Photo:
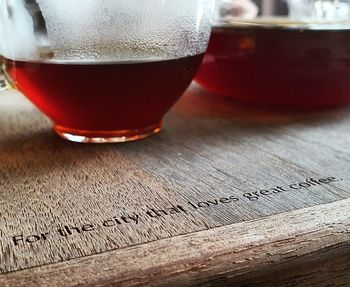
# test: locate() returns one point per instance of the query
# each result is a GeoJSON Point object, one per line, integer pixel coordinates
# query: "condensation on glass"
{"type": "Point", "coordinates": [104, 70]}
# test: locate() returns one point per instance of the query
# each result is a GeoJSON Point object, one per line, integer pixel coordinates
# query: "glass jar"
{"type": "Point", "coordinates": [280, 52]}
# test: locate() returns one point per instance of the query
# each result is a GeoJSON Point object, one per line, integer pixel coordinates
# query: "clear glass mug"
{"type": "Point", "coordinates": [292, 53]}
{"type": "Point", "coordinates": [104, 70]}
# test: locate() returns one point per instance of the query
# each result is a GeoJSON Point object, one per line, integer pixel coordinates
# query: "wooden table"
{"type": "Point", "coordinates": [226, 195]}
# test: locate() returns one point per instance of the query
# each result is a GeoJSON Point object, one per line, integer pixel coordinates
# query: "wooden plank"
{"type": "Point", "coordinates": [226, 253]}
{"type": "Point", "coordinates": [218, 171]}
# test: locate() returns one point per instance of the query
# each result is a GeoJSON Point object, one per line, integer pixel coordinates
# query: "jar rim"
{"type": "Point", "coordinates": [283, 23]}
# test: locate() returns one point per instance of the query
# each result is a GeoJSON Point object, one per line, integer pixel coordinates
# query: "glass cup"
{"type": "Point", "coordinates": [292, 53]}
{"type": "Point", "coordinates": [104, 70]}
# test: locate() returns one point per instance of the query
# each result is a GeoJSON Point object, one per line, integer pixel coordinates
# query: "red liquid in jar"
{"type": "Point", "coordinates": [278, 66]}
{"type": "Point", "coordinates": [104, 96]}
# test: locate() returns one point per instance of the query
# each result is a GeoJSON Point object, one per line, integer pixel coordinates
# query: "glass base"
{"type": "Point", "coordinates": [118, 136]}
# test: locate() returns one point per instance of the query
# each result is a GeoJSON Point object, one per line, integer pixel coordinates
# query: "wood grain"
{"type": "Point", "coordinates": [212, 152]}
{"type": "Point", "coordinates": [231, 254]}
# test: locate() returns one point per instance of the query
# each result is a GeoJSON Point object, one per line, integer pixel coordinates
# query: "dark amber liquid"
{"type": "Point", "coordinates": [281, 66]}
{"type": "Point", "coordinates": [109, 96]}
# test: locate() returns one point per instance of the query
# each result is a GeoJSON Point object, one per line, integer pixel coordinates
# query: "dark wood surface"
{"type": "Point", "coordinates": [272, 186]}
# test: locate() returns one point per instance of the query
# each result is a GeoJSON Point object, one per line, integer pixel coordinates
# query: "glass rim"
{"type": "Point", "coordinates": [283, 23]}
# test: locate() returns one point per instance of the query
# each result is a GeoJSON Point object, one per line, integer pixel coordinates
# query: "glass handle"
{"type": "Point", "coordinates": [3, 81]}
